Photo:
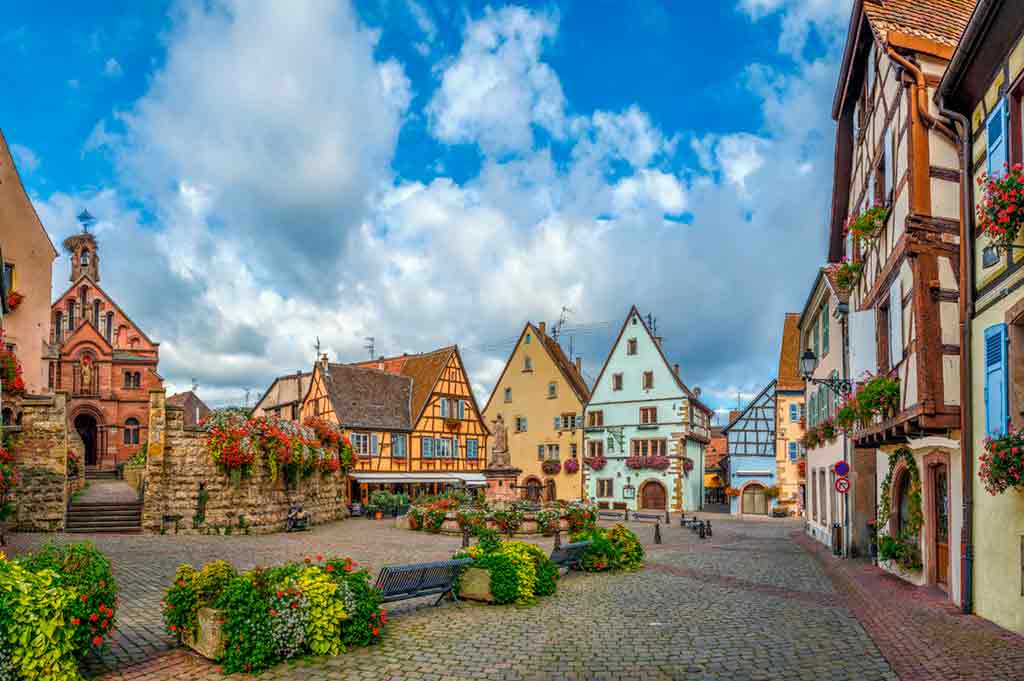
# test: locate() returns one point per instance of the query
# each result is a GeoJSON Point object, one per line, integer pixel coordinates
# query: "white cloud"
{"type": "Point", "coordinates": [27, 160]}
{"type": "Point", "coordinates": [423, 20]}
{"type": "Point", "coordinates": [800, 17]}
{"type": "Point", "coordinates": [112, 68]}
{"type": "Point", "coordinates": [497, 88]}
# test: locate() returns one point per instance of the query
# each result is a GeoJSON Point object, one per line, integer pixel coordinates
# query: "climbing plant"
{"type": "Point", "coordinates": [915, 517]}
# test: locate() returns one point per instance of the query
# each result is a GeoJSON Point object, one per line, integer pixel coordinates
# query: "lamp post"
{"type": "Point", "coordinates": [809, 362]}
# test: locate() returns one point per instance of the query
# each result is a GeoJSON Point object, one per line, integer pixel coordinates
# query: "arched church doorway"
{"type": "Point", "coordinates": [88, 430]}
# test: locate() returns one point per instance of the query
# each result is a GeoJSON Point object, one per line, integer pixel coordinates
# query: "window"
{"type": "Point", "coordinates": [605, 487]}
{"type": "Point", "coordinates": [647, 447]}
{"type": "Point", "coordinates": [824, 330]}
{"type": "Point", "coordinates": [631, 346]}
{"type": "Point", "coordinates": [520, 424]}
{"type": "Point", "coordinates": [8, 276]}
{"type": "Point", "coordinates": [127, 379]}
{"type": "Point", "coordinates": [131, 431]}
{"type": "Point", "coordinates": [471, 449]}
{"type": "Point", "coordinates": [996, 381]}
{"type": "Point", "coordinates": [901, 497]}
{"type": "Point", "coordinates": [814, 495]}
{"type": "Point", "coordinates": [817, 336]}
{"type": "Point", "coordinates": [616, 381]}
{"type": "Point", "coordinates": [565, 421]}
{"type": "Point", "coordinates": [58, 326]}
{"type": "Point", "coordinates": [648, 415]}
{"type": "Point", "coordinates": [96, 312]}
{"type": "Point", "coordinates": [462, 409]}
{"type": "Point", "coordinates": [794, 413]}
{"type": "Point", "coordinates": [803, 411]}
{"type": "Point", "coordinates": [793, 451]}
{"type": "Point", "coordinates": [361, 444]}
{"type": "Point", "coordinates": [508, 394]}
{"type": "Point", "coordinates": [426, 447]}
{"type": "Point", "coordinates": [109, 330]}
{"type": "Point", "coordinates": [553, 453]}
{"type": "Point", "coordinates": [572, 450]}
{"type": "Point", "coordinates": [71, 314]}
{"type": "Point", "coordinates": [552, 390]}
{"type": "Point", "coordinates": [444, 407]}
{"type": "Point", "coordinates": [648, 380]}
{"type": "Point", "coordinates": [527, 339]}
{"type": "Point", "coordinates": [996, 130]}
{"type": "Point", "coordinates": [527, 364]}
{"type": "Point", "coordinates": [85, 257]}
{"type": "Point", "coordinates": [442, 448]}
{"type": "Point", "coordinates": [295, 411]}
{"type": "Point", "coordinates": [398, 442]}
{"type": "Point", "coordinates": [595, 419]}
{"type": "Point", "coordinates": [595, 448]}
{"type": "Point", "coordinates": [540, 452]}
{"type": "Point", "coordinates": [821, 496]}
{"type": "Point", "coordinates": [895, 323]}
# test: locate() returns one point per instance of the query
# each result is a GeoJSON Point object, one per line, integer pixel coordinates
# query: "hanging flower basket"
{"type": "Point", "coordinates": [640, 462]}
{"type": "Point", "coordinates": [847, 274]}
{"type": "Point", "coordinates": [1002, 464]}
{"type": "Point", "coordinates": [596, 463]}
{"type": "Point", "coordinates": [14, 300]}
{"type": "Point", "coordinates": [868, 225]}
{"type": "Point", "coordinates": [879, 396]}
{"type": "Point", "coordinates": [571, 466]}
{"type": "Point", "coordinates": [551, 467]}
{"type": "Point", "coordinates": [1001, 209]}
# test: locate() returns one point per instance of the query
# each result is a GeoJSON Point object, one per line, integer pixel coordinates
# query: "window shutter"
{"type": "Point", "coordinates": [996, 130]}
{"type": "Point", "coordinates": [863, 346]}
{"type": "Point", "coordinates": [824, 330]}
{"type": "Point", "coordinates": [374, 444]}
{"type": "Point", "coordinates": [895, 323]}
{"type": "Point", "coordinates": [455, 447]}
{"type": "Point", "coordinates": [462, 409]}
{"type": "Point", "coordinates": [817, 337]}
{"type": "Point", "coordinates": [540, 452]}
{"type": "Point", "coordinates": [444, 407]}
{"type": "Point", "coordinates": [996, 383]}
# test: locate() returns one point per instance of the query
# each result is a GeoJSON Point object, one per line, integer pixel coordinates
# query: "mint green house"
{"type": "Point", "coordinates": [644, 430]}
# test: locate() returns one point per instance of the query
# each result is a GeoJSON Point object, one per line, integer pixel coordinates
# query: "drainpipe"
{"type": "Point", "coordinates": [966, 315]}
{"type": "Point", "coordinates": [844, 309]}
{"type": "Point", "coordinates": [920, 100]}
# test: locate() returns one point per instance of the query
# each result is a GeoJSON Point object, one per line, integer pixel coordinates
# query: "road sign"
{"type": "Point", "coordinates": [842, 485]}
{"type": "Point", "coordinates": [842, 468]}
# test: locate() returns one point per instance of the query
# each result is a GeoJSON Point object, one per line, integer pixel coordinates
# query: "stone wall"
{"type": "Point", "coordinates": [40, 453]}
{"type": "Point", "coordinates": [178, 468]}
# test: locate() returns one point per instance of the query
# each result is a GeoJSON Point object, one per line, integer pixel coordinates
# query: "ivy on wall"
{"type": "Point", "coordinates": [902, 548]}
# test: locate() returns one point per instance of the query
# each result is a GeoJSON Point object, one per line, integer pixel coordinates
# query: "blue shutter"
{"type": "Point", "coordinates": [792, 451]}
{"type": "Point", "coordinates": [444, 407]}
{"type": "Point", "coordinates": [455, 447]}
{"type": "Point", "coordinates": [996, 383]}
{"type": "Point", "coordinates": [462, 409]}
{"type": "Point", "coordinates": [427, 444]}
{"type": "Point", "coordinates": [558, 422]}
{"type": "Point", "coordinates": [824, 329]}
{"type": "Point", "coordinates": [995, 128]}
{"type": "Point", "coordinates": [374, 445]}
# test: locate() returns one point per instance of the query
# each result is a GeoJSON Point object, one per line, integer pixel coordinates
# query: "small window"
{"type": "Point", "coordinates": [58, 326]}
{"type": "Point", "coordinates": [540, 452]}
{"type": "Point", "coordinates": [572, 450]}
{"type": "Point", "coordinates": [462, 409]}
{"type": "Point", "coordinates": [595, 448]}
{"type": "Point", "coordinates": [527, 364]}
{"type": "Point", "coordinates": [508, 394]}
{"type": "Point", "coordinates": [794, 413]}
{"type": "Point", "coordinates": [648, 381]}
{"type": "Point", "coordinates": [96, 312]}
{"type": "Point", "coordinates": [8, 276]}
{"type": "Point", "coordinates": [426, 446]}
{"type": "Point", "coordinates": [109, 329]}
{"type": "Point", "coordinates": [398, 446]}
{"type": "Point", "coordinates": [616, 381]}
{"type": "Point", "coordinates": [361, 444]}
{"type": "Point", "coordinates": [595, 418]}
{"type": "Point", "coordinates": [552, 389]}
{"type": "Point", "coordinates": [71, 314]}
{"type": "Point", "coordinates": [295, 411]}
{"type": "Point", "coordinates": [471, 449]}
{"type": "Point", "coordinates": [85, 257]}
{"type": "Point", "coordinates": [605, 487]}
{"type": "Point", "coordinates": [444, 407]}
{"type": "Point", "coordinates": [527, 339]}
{"type": "Point", "coordinates": [793, 451]}
{"type": "Point", "coordinates": [648, 415]}
{"type": "Point", "coordinates": [520, 424]}
{"type": "Point", "coordinates": [127, 379]}
{"type": "Point", "coordinates": [131, 431]}
{"type": "Point", "coordinates": [631, 346]}
{"type": "Point", "coordinates": [137, 380]}
{"type": "Point", "coordinates": [553, 453]}
{"type": "Point", "coordinates": [442, 448]}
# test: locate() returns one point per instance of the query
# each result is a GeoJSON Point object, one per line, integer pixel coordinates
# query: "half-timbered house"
{"type": "Point", "coordinates": [423, 437]}
{"type": "Point", "coordinates": [896, 154]}
{"type": "Point", "coordinates": [751, 458]}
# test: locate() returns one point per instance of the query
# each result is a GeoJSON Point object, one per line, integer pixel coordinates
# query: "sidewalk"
{"type": "Point", "coordinates": [921, 634]}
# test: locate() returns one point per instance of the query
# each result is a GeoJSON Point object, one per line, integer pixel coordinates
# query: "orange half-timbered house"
{"type": "Point", "coordinates": [413, 420]}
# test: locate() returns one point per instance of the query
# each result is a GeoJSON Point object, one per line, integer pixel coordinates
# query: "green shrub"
{"type": "Point", "coordinates": [366, 619]}
{"type": "Point", "coordinates": [602, 554]}
{"type": "Point", "coordinates": [248, 643]}
{"type": "Point", "coordinates": [629, 551]}
{"type": "Point", "coordinates": [212, 580]}
{"type": "Point", "coordinates": [181, 602]}
{"type": "Point", "coordinates": [519, 572]}
{"type": "Point", "coordinates": [504, 577]}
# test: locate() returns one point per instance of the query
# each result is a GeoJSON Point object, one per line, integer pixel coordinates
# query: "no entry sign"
{"type": "Point", "coordinates": [842, 468]}
{"type": "Point", "coordinates": [842, 485]}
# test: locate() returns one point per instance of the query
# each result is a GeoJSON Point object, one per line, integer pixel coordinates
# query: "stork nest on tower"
{"type": "Point", "coordinates": [76, 241]}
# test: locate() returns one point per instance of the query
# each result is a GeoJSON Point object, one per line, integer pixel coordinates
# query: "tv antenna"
{"type": "Point", "coordinates": [247, 391]}
{"type": "Point", "coordinates": [652, 322]}
{"type": "Point", "coordinates": [369, 345]}
{"type": "Point", "coordinates": [562, 317]}
{"type": "Point", "coordinates": [195, 384]}
{"type": "Point", "coordinates": [317, 348]}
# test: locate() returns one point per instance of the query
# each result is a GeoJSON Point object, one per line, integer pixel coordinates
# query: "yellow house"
{"type": "Point", "coordinates": [789, 408]}
{"type": "Point", "coordinates": [540, 396]}
{"type": "Point", "coordinates": [983, 94]}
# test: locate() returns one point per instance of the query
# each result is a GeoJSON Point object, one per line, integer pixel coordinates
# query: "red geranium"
{"type": "Point", "coordinates": [1001, 208]}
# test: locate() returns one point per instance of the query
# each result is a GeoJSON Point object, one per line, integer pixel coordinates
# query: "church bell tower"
{"type": "Point", "coordinates": [85, 259]}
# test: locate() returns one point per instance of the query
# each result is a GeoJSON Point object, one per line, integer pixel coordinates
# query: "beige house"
{"type": "Point", "coordinates": [789, 409]}
{"type": "Point", "coordinates": [540, 395]}
{"type": "Point", "coordinates": [283, 399]}
{"type": "Point", "coordinates": [28, 256]}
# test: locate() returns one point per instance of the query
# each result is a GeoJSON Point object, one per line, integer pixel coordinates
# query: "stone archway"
{"type": "Point", "coordinates": [653, 496]}
{"type": "Point", "coordinates": [88, 430]}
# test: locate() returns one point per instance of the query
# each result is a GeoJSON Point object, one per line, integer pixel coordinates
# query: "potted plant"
{"type": "Point", "coordinates": [847, 273]}
{"type": "Point", "coordinates": [571, 466]}
{"type": "Point", "coordinates": [1001, 208]}
{"type": "Point", "coordinates": [373, 511]}
{"type": "Point", "coordinates": [866, 226]}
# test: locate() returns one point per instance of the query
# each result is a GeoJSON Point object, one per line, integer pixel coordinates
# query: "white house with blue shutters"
{"type": "Point", "coordinates": [646, 426]}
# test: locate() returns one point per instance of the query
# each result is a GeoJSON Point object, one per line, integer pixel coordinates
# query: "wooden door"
{"type": "Point", "coordinates": [941, 496]}
{"type": "Point", "coordinates": [754, 500]}
{"type": "Point", "coordinates": [652, 495]}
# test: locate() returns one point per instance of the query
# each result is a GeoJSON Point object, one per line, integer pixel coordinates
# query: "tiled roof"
{"type": "Point", "coordinates": [940, 20]}
{"type": "Point", "coordinates": [830, 273]}
{"type": "Point", "coordinates": [424, 370]}
{"type": "Point", "coordinates": [567, 368]}
{"type": "Point", "coordinates": [789, 356]}
{"type": "Point", "coordinates": [195, 409]}
{"type": "Point", "coordinates": [368, 398]}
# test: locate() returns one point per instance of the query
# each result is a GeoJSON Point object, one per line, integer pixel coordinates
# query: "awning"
{"type": "Point", "coordinates": [468, 479]}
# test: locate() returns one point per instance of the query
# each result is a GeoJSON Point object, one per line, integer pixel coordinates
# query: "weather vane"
{"type": "Point", "coordinates": [87, 220]}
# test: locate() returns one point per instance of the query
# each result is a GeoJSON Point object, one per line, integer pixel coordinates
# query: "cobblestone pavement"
{"type": "Point", "coordinates": [749, 603]}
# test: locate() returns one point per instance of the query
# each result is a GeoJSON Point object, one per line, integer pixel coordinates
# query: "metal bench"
{"type": "Point", "coordinates": [570, 556]}
{"type": "Point", "coordinates": [611, 515]}
{"type": "Point", "coordinates": [657, 517]}
{"type": "Point", "coordinates": [401, 582]}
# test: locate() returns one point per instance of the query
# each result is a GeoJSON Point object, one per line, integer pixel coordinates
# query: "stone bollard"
{"type": "Point", "coordinates": [668, 518]}
{"type": "Point", "coordinates": [465, 537]}
{"type": "Point", "coordinates": [657, 533]}
{"type": "Point", "coordinates": [558, 539]}
{"type": "Point", "coordinates": [708, 530]}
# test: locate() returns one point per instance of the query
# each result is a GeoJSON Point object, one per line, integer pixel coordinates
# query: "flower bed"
{"type": "Point", "coordinates": [451, 513]}
{"type": "Point", "coordinates": [1001, 208]}
{"type": "Point", "coordinates": [509, 571]}
{"type": "Point", "coordinates": [611, 550]}
{"type": "Point", "coordinates": [659, 463]}
{"type": "Point", "coordinates": [56, 605]}
{"type": "Point", "coordinates": [251, 621]}
{"type": "Point", "coordinates": [8, 478]}
{"type": "Point", "coordinates": [1002, 464]}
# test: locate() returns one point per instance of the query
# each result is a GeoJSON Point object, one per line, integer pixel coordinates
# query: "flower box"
{"type": "Point", "coordinates": [475, 585]}
{"type": "Point", "coordinates": [207, 639]}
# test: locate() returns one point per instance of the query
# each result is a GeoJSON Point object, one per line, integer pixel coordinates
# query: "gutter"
{"type": "Point", "coordinates": [966, 314]}
{"type": "Point", "coordinates": [920, 101]}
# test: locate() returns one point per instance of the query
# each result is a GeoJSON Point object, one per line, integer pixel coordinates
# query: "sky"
{"type": "Point", "coordinates": [423, 172]}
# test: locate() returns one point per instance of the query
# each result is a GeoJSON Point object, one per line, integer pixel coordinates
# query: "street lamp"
{"type": "Point", "coordinates": [809, 362]}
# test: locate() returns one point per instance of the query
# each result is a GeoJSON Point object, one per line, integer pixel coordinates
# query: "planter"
{"type": "Point", "coordinates": [207, 639]}
{"type": "Point", "coordinates": [378, 515]}
{"type": "Point", "coordinates": [133, 476]}
{"type": "Point", "coordinates": [475, 585]}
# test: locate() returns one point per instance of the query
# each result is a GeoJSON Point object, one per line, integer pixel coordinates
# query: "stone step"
{"type": "Point", "coordinates": [105, 529]}
{"type": "Point", "coordinates": [99, 517]}
{"type": "Point", "coordinates": [104, 505]}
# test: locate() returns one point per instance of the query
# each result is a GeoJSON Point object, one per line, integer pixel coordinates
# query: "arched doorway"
{"type": "Point", "coordinates": [533, 490]}
{"type": "Point", "coordinates": [88, 430]}
{"type": "Point", "coordinates": [653, 495]}
{"type": "Point", "coordinates": [754, 501]}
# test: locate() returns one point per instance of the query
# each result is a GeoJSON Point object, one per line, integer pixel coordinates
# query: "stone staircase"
{"type": "Point", "coordinates": [123, 517]}
{"type": "Point", "coordinates": [94, 473]}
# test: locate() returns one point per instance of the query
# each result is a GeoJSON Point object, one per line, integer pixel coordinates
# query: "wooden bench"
{"type": "Point", "coordinates": [657, 517]}
{"type": "Point", "coordinates": [401, 582]}
{"type": "Point", "coordinates": [611, 515]}
{"type": "Point", "coordinates": [570, 556]}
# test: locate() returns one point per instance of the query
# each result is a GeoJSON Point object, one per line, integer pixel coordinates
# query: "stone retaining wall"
{"type": "Point", "coordinates": [40, 454]}
{"type": "Point", "coordinates": [178, 468]}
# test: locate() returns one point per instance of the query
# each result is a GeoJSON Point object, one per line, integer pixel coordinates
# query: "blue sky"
{"type": "Point", "coordinates": [434, 172]}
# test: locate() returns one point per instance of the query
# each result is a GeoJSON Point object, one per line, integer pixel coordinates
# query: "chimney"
{"type": "Point", "coordinates": [579, 365]}
{"type": "Point", "coordinates": [323, 361]}
{"type": "Point", "coordinates": [542, 326]}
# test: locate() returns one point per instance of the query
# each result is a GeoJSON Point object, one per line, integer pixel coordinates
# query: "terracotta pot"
{"type": "Point", "coordinates": [378, 515]}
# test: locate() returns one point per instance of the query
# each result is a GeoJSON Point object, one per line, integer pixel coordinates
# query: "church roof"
{"type": "Point", "coordinates": [109, 299]}
{"type": "Point", "coordinates": [369, 398]}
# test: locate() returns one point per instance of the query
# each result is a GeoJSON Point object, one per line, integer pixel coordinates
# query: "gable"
{"type": "Point", "coordinates": [752, 431]}
{"type": "Point", "coordinates": [648, 357]}
{"type": "Point", "coordinates": [549, 364]}
{"type": "Point", "coordinates": [86, 335]}
{"type": "Point", "coordinates": [285, 390]}
{"type": "Point", "coordinates": [120, 320]}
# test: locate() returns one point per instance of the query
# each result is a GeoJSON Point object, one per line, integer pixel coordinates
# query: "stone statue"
{"type": "Point", "coordinates": [86, 375]}
{"type": "Point", "coordinates": [499, 452]}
